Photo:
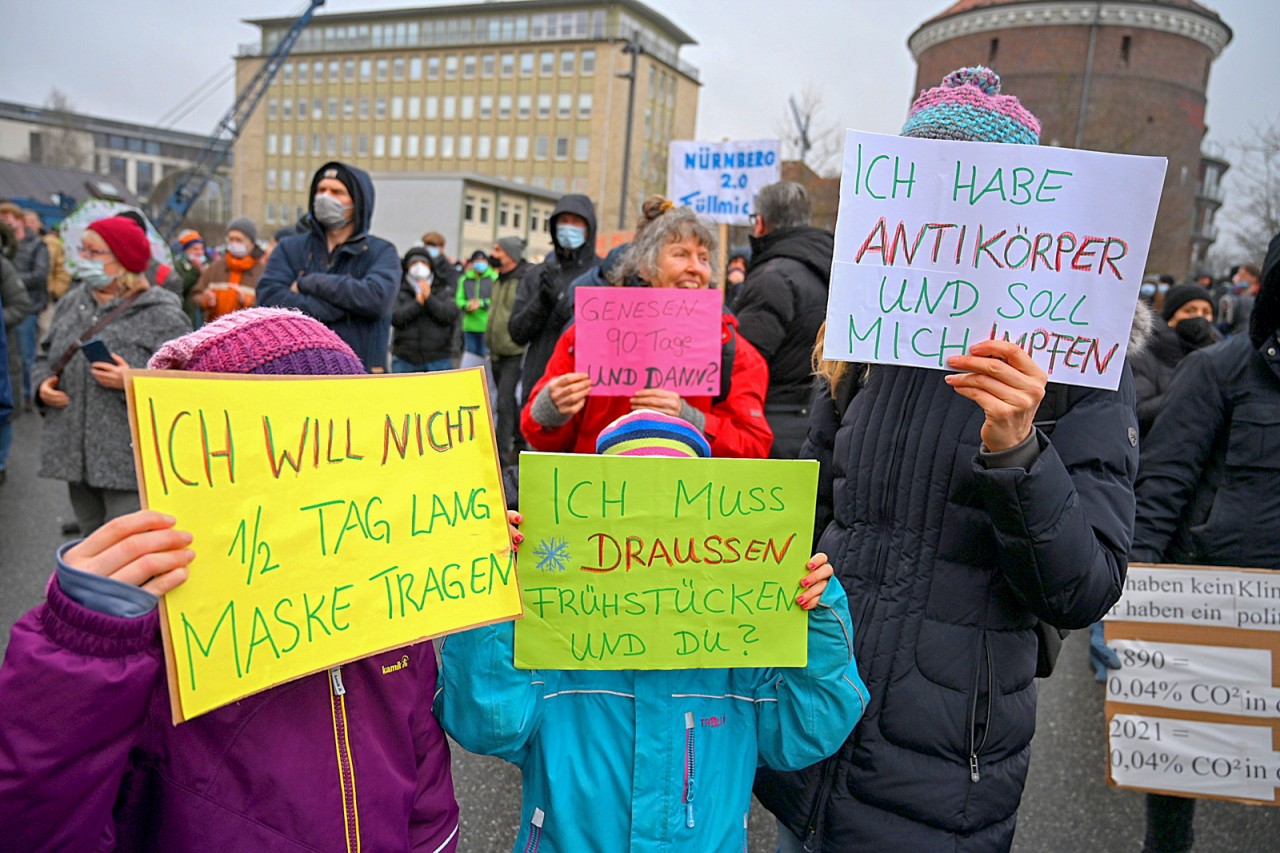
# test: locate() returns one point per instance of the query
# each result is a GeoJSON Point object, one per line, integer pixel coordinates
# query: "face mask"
{"type": "Point", "coordinates": [330, 212]}
{"type": "Point", "coordinates": [571, 236]}
{"type": "Point", "coordinates": [419, 271]}
{"type": "Point", "coordinates": [93, 274]}
{"type": "Point", "coordinates": [481, 267]}
{"type": "Point", "coordinates": [1147, 291]}
{"type": "Point", "coordinates": [433, 252]}
{"type": "Point", "coordinates": [1195, 331]}
{"type": "Point", "coordinates": [238, 249]}
{"type": "Point", "coordinates": [1164, 288]}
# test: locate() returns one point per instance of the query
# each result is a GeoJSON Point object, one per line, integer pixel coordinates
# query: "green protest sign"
{"type": "Point", "coordinates": [636, 562]}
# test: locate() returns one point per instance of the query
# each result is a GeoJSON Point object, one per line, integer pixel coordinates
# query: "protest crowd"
{"type": "Point", "coordinates": [958, 513]}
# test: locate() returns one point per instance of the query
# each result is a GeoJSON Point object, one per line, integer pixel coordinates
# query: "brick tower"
{"type": "Point", "coordinates": [1127, 76]}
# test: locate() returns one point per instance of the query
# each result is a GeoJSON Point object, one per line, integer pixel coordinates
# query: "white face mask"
{"type": "Point", "coordinates": [419, 271]}
{"type": "Point", "coordinates": [238, 249]}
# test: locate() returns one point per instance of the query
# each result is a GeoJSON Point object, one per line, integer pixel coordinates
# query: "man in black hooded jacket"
{"type": "Point", "coordinates": [781, 304]}
{"type": "Point", "coordinates": [544, 305]}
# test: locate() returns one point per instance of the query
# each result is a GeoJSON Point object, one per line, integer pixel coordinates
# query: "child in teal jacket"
{"type": "Point", "coordinates": [648, 760]}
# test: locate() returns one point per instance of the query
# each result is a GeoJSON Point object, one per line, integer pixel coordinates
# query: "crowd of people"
{"type": "Point", "coordinates": [958, 511]}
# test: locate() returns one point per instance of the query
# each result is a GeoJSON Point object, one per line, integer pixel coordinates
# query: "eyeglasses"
{"type": "Point", "coordinates": [86, 252]}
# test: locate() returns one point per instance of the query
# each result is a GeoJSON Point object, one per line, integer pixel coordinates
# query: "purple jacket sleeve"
{"type": "Point", "coordinates": [74, 691]}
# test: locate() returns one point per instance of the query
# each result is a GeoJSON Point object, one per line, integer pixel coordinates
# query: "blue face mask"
{"type": "Point", "coordinates": [433, 252]}
{"type": "Point", "coordinates": [1147, 291]}
{"type": "Point", "coordinates": [481, 267]}
{"type": "Point", "coordinates": [571, 236]}
{"type": "Point", "coordinates": [93, 274]}
{"type": "Point", "coordinates": [1164, 288]}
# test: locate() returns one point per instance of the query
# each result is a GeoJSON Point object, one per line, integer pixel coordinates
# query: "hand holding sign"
{"type": "Point", "coordinates": [1006, 383]}
{"type": "Point", "coordinates": [658, 400]}
{"type": "Point", "coordinates": [141, 548]}
{"type": "Point", "coordinates": [569, 392]}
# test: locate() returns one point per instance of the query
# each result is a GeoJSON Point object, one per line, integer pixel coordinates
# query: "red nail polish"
{"type": "Point", "coordinates": [804, 581]}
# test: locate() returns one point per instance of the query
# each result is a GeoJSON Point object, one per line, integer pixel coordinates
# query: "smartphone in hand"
{"type": "Point", "coordinates": [95, 350]}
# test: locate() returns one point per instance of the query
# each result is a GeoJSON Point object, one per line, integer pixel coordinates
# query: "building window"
{"type": "Point", "coordinates": [581, 148]}
{"type": "Point", "coordinates": [331, 145]}
{"type": "Point", "coordinates": [450, 106]}
{"type": "Point", "coordinates": [522, 148]}
{"type": "Point", "coordinates": [348, 108]}
{"type": "Point", "coordinates": [524, 106]}
{"type": "Point", "coordinates": [544, 106]}
{"type": "Point", "coordinates": [302, 72]}
{"type": "Point", "coordinates": [286, 180]}
{"type": "Point", "coordinates": [588, 63]}
{"type": "Point", "coordinates": [502, 148]}
{"type": "Point", "coordinates": [433, 106]}
{"type": "Point", "coordinates": [397, 69]}
{"type": "Point", "coordinates": [464, 146]}
{"type": "Point", "coordinates": [411, 146]}
{"type": "Point", "coordinates": [380, 108]}
{"type": "Point", "coordinates": [562, 148]}
{"type": "Point", "coordinates": [286, 144]}
{"type": "Point", "coordinates": [486, 106]}
{"type": "Point", "coordinates": [1126, 44]}
{"type": "Point", "coordinates": [515, 218]}
{"type": "Point", "coordinates": [415, 68]}
{"type": "Point", "coordinates": [317, 109]}
{"type": "Point", "coordinates": [415, 108]}
{"type": "Point", "coordinates": [333, 108]}
{"type": "Point", "coordinates": [993, 51]}
{"type": "Point", "coordinates": [315, 144]}
{"type": "Point", "coordinates": [557, 185]}
{"type": "Point", "coordinates": [346, 145]}
{"type": "Point", "coordinates": [566, 63]}
{"type": "Point", "coordinates": [286, 108]}
{"type": "Point", "coordinates": [429, 145]}
{"type": "Point", "coordinates": [362, 145]}
{"type": "Point", "coordinates": [504, 106]}
{"type": "Point", "coordinates": [484, 211]}
{"type": "Point", "coordinates": [382, 69]}
{"type": "Point", "coordinates": [395, 145]}
{"type": "Point", "coordinates": [379, 145]}
{"type": "Point", "coordinates": [364, 108]}
{"type": "Point", "coordinates": [366, 69]}
{"type": "Point", "coordinates": [508, 64]}
{"type": "Point", "coordinates": [317, 72]}
{"type": "Point", "coordinates": [526, 64]}
{"type": "Point", "coordinates": [397, 107]}
{"type": "Point", "coordinates": [271, 212]}
{"type": "Point", "coordinates": [468, 66]}
{"type": "Point", "coordinates": [584, 105]}
{"type": "Point", "coordinates": [546, 63]}
{"type": "Point", "coordinates": [450, 67]}
{"type": "Point", "coordinates": [540, 148]}
{"type": "Point", "coordinates": [349, 70]}
{"type": "Point", "coordinates": [564, 105]}
{"type": "Point", "coordinates": [483, 149]}
{"type": "Point", "coordinates": [446, 146]}
{"type": "Point", "coordinates": [467, 107]}
{"type": "Point", "coordinates": [286, 73]}
{"type": "Point", "coordinates": [486, 65]}
{"type": "Point", "coordinates": [533, 220]}
{"type": "Point", "coordinates": [504, 214]}
{"type": "Point", "coordinates": [333, 71]}
{"type": "Point", "coordinates": [469, 209]}
{"type": "Point", "coordinates": [272, 105]}
{"type": "Point", "coordinates": [433, 68]}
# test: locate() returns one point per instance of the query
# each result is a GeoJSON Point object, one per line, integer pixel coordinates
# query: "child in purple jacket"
{"type": "Point", "coordinates": [89, 759]}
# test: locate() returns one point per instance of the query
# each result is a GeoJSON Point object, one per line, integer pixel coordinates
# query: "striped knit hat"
{"type": "Point", "coordinates": [648, 433]}
{"type": "Point", "coordinates": [968, 106]}
{"type": "Point", "coordinates": [274, 341]}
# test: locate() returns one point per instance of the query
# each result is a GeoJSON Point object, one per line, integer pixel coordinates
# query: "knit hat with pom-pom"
{"type": "Point", "coordinates": [263, 341]}
{"type": "Point", "coordinates": [968, 106]}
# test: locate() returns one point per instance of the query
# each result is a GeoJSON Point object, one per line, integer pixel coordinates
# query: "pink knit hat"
{"type": "Point", "coordinates": [968, 106]}
{"type": "Point", "coordinates": [274, 341]}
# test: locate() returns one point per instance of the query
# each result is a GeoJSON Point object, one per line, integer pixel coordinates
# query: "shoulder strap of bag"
{"type": "Point", "coordinates": [106, 320]}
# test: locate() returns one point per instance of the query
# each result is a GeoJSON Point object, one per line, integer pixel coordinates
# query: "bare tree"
{"type": "Point", "coordinates": [1254, 201]}
{"type": "Point", "coordinates": [61, 143]}
{"type": "Point", "coordinates": [809, 136]}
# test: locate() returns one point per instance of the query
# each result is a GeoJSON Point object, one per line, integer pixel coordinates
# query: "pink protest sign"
{"type": "Point", "coordinates": [630, 338]}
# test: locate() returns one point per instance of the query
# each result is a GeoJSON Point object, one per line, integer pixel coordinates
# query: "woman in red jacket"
{"type": "Point", "coordinates": [673, 248]}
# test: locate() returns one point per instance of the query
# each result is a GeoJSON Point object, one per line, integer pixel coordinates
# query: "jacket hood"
{"type": "Point", "coordinates": [358, 183]}
{"type": "Point", "coordinates": [1266, 308]}
{"type": "Point", "coordinates": [811, 246]}
{"type": "Point", "coordinates": [579, 205]}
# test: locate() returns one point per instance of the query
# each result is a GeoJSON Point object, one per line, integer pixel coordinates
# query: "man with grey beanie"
{"type": "Point", "coordinates": [504, 353]}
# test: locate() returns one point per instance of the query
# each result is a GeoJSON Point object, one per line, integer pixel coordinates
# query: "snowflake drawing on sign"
{"type": "Point", "coordinates": [552, 554]}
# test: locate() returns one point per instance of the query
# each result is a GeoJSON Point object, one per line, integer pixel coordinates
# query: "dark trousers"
{"type": "Point", "coordinates": [506, 375]}
{"type": "Point", "coordinates": [1169, 824]}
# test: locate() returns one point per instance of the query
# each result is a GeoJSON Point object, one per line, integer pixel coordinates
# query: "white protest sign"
{"type": "Point", "coordinates": [940, 244]}
{"type": "Point", "coordinates": [1191, 596]}
{"type": "Point", "coordinates": [1212, 759]}
{"type": "Point", "coordinates": [1217, 679]}
{"type": "Point", "coordinates": [719, 180]}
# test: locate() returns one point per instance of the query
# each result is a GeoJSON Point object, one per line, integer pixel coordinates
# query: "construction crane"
{"type": "Point", "coordinates": [224, 136]}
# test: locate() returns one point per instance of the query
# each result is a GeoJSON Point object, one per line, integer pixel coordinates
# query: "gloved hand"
{"type": "Point", "coordinates": [1100, 654]}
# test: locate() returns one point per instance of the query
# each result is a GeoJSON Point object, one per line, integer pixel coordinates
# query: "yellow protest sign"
{"type": "Point", "coordinates": [333, 518]}
{"type": "Point", "coordinates": [646, 562]}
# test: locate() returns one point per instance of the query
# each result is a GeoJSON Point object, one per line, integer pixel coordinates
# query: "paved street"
{"type": "Point", "coordinates": [1067, 805]}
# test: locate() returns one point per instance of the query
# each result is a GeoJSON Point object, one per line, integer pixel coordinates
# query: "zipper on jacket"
{"type": "Point", "coordinates": [346, 772]}
{"type": "Point", "coordinates": [812, 836]}
{"type": "Point", "coordinates": [535, 830]}
{"type": "Point", "coordinates": [689, 768]}
{"type": "Point", "coordinates": [975, 749]}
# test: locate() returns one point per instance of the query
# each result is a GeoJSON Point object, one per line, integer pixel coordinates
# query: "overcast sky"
{"type": "Point", "coordinates": [137, 60]}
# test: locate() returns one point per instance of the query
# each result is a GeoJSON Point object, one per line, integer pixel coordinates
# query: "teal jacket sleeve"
{"type": "Point", "coordinates": [805, 713]}
{"type": "Point", "coordinates": [485, 703]}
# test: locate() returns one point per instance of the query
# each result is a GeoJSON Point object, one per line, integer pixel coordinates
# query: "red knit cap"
{"type": "Point", "coordinates": [126, 241]}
